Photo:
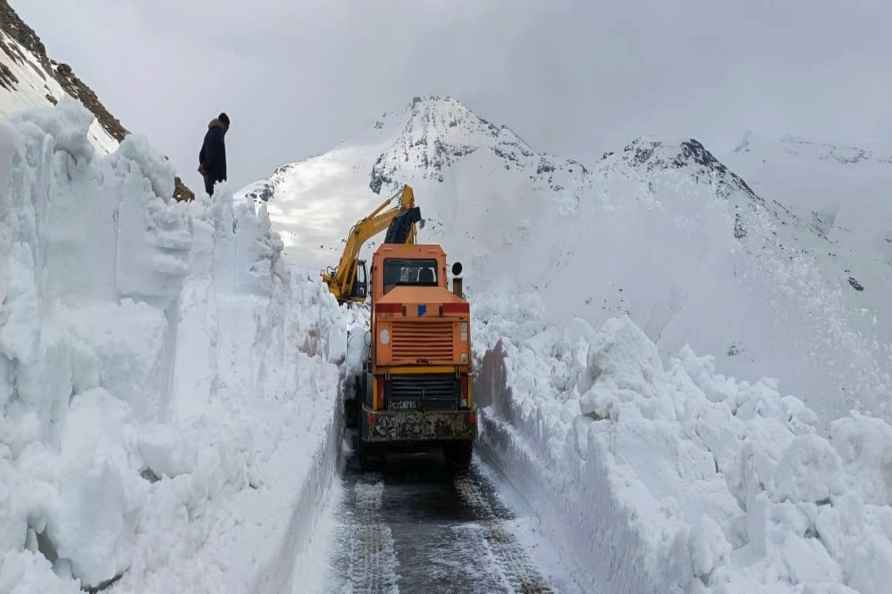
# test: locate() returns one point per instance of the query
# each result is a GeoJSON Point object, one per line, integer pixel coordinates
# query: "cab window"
{"type": "Point", "coordinates": [415, 273]}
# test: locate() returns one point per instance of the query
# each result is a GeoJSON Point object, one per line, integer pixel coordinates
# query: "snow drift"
{"type": "Point", "coordinates": [166, 384]}
{"type": "Point", "coordinates": [674, 478]}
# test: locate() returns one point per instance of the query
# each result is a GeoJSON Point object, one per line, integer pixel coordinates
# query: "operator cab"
{"type": "Point", "coordinates": [360, 289]}
{"type": "Point", "coordinates": [409, 273]}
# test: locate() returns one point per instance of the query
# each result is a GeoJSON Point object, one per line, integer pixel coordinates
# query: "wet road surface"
{"type": "Point", "coordinates": [415, 526]}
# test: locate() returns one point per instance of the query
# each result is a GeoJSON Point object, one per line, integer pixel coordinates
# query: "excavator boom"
{"type": "Point", "coordinates": [341, 280]}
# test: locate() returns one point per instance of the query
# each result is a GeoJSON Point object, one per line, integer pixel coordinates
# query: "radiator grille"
{"type": "Point", "coordinates": [422, 392]}
{"type": "Point", "coordinates": [431, 341]}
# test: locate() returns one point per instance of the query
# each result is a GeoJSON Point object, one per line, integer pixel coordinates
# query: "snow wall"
{"type": "Point", "coordinates": [166, 385]}
{"type": "Point", "coordinates": [673, 478]}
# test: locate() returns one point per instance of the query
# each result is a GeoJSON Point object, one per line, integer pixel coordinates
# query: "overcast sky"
{"type": "Point", "coordinates": [572, 78]}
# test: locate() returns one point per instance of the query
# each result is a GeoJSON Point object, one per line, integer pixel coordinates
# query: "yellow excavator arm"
{"type": "Point", "coordinates": [340, 280]}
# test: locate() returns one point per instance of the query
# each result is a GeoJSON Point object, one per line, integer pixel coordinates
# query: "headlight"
{"type": "Point", "coordinates": [463, 331]}
{"type": "Point", "coordinates": [384, 336]}
{"type": "Point", "coordinates": [463, 358]}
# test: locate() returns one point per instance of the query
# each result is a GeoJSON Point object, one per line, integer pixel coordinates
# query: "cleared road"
{"type": "Point", "coordinates": [414, 526]}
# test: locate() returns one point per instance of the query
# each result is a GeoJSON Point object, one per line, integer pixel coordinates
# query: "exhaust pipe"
{"type": "Point", "coordinates": [457, 288]}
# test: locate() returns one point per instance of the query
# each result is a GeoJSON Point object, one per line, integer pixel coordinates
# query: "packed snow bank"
{"type": "Point", "coordinates": [167, 387]}
{"type": "Point", "coordinates": [673, 478]}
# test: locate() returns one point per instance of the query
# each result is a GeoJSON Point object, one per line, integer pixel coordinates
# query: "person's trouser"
{"type": "Point", "coordinates": [209, 185]}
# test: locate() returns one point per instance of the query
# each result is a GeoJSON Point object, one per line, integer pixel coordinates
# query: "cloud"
{"type": "Point", "coordinates": [574, 78]}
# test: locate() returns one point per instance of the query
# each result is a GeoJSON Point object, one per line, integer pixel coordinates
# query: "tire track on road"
{"type": "Point", "coordinates": [416, 527]}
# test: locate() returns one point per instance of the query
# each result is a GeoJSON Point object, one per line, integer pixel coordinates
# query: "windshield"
{"type": "Point", "coordinates": [418, 273]}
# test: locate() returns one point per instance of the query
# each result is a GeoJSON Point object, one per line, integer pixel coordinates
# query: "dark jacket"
{"type": "Point", "coordinates": [212, 158]}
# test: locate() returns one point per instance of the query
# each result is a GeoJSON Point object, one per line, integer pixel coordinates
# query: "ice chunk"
{"type": "Point", "coordinates": [865, 446]}
{"type": "Point", "coordinates": [708, 548]}
{"type": "Point", "coordinates": [809, 470]}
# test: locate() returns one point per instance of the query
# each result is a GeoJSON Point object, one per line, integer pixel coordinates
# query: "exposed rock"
{"type": "Point", "coordinates": [739, 228]}
{"type": "Point", "coordinates": [8, 80]}
{"type": "Point", "coordinates": [181, 192]}
{"type": "Point", "coordinates": [105, 585]}
{"type": "Point", "coordinates": [263, 191]}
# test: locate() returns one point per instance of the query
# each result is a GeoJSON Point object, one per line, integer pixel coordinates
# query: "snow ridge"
{"type": "Point", "coordinates": [159, 368]}
{"type": "Point", "coordinates": [675, 478]}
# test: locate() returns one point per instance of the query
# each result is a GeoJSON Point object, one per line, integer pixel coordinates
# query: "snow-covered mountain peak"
{"type": "Point", "coordinates": [434, 133]}
{"type": "Point", "coordinates": [676, 169]}
{"type": "Point", "coordinates": [690, 155]}
{"type": "Point", "coordinates": [444, 119]}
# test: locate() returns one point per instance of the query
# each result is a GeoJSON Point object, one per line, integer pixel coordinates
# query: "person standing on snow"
{"type": "Point", "coordinates": [212, 158]}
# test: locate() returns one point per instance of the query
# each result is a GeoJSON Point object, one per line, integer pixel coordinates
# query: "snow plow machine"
{"type": "Point", "coordinates": [414, 392]}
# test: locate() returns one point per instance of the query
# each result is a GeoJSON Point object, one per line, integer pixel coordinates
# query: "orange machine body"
{"type": "Point", "coordinates": [420, 354]}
